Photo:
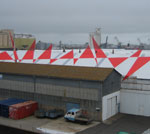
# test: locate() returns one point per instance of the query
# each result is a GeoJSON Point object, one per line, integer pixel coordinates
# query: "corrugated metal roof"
{"type": "Point", "coordinates": [58, 71]}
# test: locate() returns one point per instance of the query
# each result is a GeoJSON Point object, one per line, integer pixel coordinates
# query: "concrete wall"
{"type": "Point", "coordinates": [136, 84]}
{"type": "Point", "coordinates": [58, 87]}
{"type": "Point", "coordinates": [49, 101]}
{"type": "Point", "coordinates": [135, 96]}
{"type": "Point", "coordinates": [135, 102]}
{"type": "Point", "coordinates": [68, 88]}
{"type": "Point", "coordinates": [53, 93]}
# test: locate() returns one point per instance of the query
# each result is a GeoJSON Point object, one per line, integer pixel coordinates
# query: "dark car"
{"type": "Point", "coordinates": [55, 113]}
{"type": "Point", "coordinates": [40, 113]}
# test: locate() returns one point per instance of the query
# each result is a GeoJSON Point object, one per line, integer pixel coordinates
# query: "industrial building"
{"type": "Point", "coordinates": [22, 41]}
{"type": "Point", "coordinates": [135, 96]}
{"type": "Point", "coordinates": [54, 86]}
{"type": "Point", "coordinates": [133, 65]}
{"type": "Point", "coordinates": [5, 41]}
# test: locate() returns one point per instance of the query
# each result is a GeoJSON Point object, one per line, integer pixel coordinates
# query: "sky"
{"type": "Point", "coordinates": [71, 21]}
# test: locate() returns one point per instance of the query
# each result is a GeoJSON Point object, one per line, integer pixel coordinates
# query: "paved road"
{"type": "Point", "coordinates": [7, 130]}
{"type": "Point", "coordinates": [127, 123]}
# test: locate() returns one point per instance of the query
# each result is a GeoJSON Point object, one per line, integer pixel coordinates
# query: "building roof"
{"type": "Point", "coordinates": [56, 71]}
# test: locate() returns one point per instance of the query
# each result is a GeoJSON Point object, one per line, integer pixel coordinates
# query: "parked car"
{"type": "Point", "coordinates": [55, 113]}
{"type": "Point", "coordinates": [78, 115]}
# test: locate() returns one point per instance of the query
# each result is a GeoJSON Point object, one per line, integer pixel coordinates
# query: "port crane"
{"type": "Point", "coordinates": [140, 43]}
{"type": "Point", "coordinates": [118, 42]}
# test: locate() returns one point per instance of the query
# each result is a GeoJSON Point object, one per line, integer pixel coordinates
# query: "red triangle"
{"type": "Point", "coordinates": [46, 54]}
{"type": "Point", "coordinates": [117, 61]}
{"type": "Point", "coordinates": [75, 60]}
{"type": "Point", "coordinates": [52, 60]}
{"type": "Point", "coordinates": [68, 55]}
{"type": "Point", "coordinates": [99, 52]}
{"type": "Point", "coordinates": [137, 53]}
{"type": "Point", "coordinates": [30, 53]}
{"type": "Point", "coordinates": [141, 61]}
{"type": "Point", "coordinates": [34, 60]}
{"type": "Point", "coordinates": [87, 53]}
{"type": "Point", "coordinates": [5, 56]}
{"type": "Point", "coordinates": [32, 46]}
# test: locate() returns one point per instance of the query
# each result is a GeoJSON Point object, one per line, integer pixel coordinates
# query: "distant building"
{"type": "Point", "coordinates": [42, 45]}
{"type": "Point", "coordinates": [23, 41]}
{"type": "Point", "coordinates": [5, 41]}
{"type": "Point", "coordinates": [97, 36]}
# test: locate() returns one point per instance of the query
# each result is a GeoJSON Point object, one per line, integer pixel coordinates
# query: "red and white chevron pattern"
{"type": "Point", "coordinates": [127, 62]}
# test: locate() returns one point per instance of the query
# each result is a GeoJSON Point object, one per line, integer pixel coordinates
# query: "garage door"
{"type": "Point", "coordinates": [135, 102]}
{"type": "Point", "coordinates": [110, 105]}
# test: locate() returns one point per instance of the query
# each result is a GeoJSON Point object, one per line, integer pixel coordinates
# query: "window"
{"type": "Point", "coordinates": [68, 113]}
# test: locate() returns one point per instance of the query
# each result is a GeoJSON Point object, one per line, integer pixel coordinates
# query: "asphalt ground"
{"type": "Point", "coordinates": [127, 123]}
{"type": "Point", "coordinates": [8, 130]}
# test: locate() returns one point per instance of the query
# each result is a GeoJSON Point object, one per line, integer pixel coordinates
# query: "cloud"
{"type": "Point", "coordinates": [75, 16]}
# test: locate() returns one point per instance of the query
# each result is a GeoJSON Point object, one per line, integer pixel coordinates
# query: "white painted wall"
{"type": "Point", "coordinates": [107, 105]}
{"type": "Point", "coordinates": [135, 102]}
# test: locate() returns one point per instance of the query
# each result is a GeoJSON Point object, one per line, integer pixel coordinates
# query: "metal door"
{"type": "Point", "coordinates": [72, 105]}
{"type": "Point", "coordinates": [114, 105]}
{"type": "Point", "coordinates": [111, 106]}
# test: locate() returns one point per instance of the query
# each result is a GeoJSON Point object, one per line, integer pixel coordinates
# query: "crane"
{"type": "Point", "coordinates": [118, 42]}
{"type": "Point", "coordinates": [140, 43]}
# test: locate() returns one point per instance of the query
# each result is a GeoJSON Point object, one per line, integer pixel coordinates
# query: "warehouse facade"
{"type": "Point", "coordinates": [135, 96]}
{"type": "Point", "coordinates": [64, 87]}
